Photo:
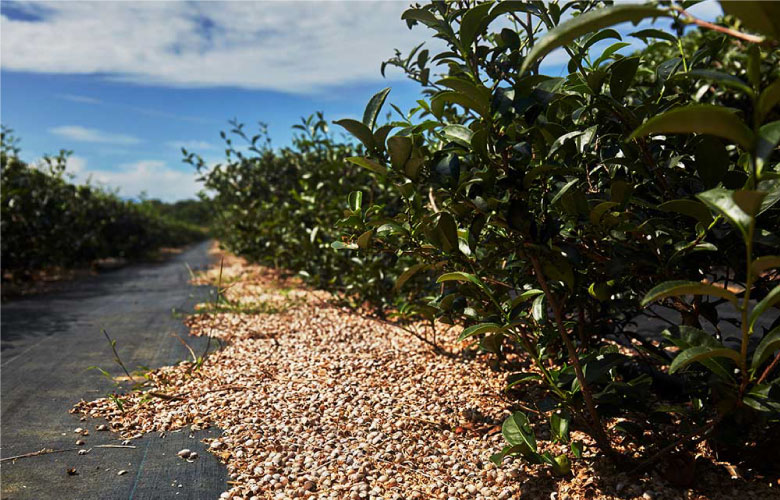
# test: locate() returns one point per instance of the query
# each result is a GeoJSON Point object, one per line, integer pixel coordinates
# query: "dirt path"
{"type": "Point", "coordinates": [49, 341]}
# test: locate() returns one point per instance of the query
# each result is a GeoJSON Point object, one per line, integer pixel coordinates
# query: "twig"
{"type": "Point", "coordinates": [769, 369]}
{"type": "Point", "coordinates": [115, 446]}
{"type": "Point", "coordinates": [666, 449]}
{"type": "Point", "coordinates": [44, 451]}
{"type": "Point", "coordinates": [192, 353]}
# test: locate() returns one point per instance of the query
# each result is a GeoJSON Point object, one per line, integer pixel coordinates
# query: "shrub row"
{"type": "Point", "coordinates": [549, 214]}
{"type": "Point", "coordinates": [47, 221]}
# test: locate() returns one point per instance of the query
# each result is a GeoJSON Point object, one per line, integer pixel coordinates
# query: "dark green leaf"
{"type": "Point", "coordinates": [680, 288]}
{"type": "Point", "coordinates": [699, 353]}
{"type": "Point", "coordinates": [517, 431]}
{"type": "Point", "coordinates": [699, 119]}
{"type": "Point", "coordinates": [359, 130]}
{"type": "Point", "coordinates": [768, 345]}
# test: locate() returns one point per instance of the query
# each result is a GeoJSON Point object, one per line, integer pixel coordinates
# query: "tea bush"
{"type": "Point", "coordinates": [549, 214]}
{"type": "Point", "coordinates": [47, 221]}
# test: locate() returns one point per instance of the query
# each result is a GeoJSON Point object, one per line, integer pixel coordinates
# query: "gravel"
{"type": "Point", "coordinates": [318, 401]}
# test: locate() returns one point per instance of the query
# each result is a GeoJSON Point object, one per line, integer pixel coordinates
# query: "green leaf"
{"type": "Point", "coordinates": [691, 208]}
{"type": "Point", "coordinates": [368, 164]}
{"type": "Point", "coordinates": [474, 21]}
{"type": "Point", "coordinates": [460, 99]}
{"type": "Point", "coordinates": [576, 448]}
{"type": "Point", "coordinates": [646, 34]}
{"type": "Point", "coordinates": [538, 311]}
{"type": "Point", "coordinates": [364, 240]}
{"type": "Point", "coordinates": [768, 345]}
{"type": "Point", "coordinates": [772, 298]}
{"type": "Point", "coordinates": [421, 15]}
{"type": "Point", "coordinates": [469, 278]}
{"type": "Point", "coordinates": [447, 232]}
{"type": "Point", "coordinates": [517, 431]}
{"type": "Point", "coordinates": [355, 200]}
{"type": "Point", "coordinates": [340, 245]}
{"type": "Point", "coordinates": [724, 79]}
{"type": "Point", "coordinates": [406, 275]}
{"type": "Point", "coordinates": [678, 288]}
{"type": "Point", "coordinates": [480, 329]}
{"type": "Point", "coordinates": [722, 202]}
{"type": "Point", "coordinates": [621, 75]}
{"type": "Point", "coordinates": [373, 107]}
{"type": "Point", "coordinates": [559, 425]}
{"type": "Point", "coordinates": [768, 99]}
{"type": "Point", "coordinates": [359, 130]}
{"type": "Point", "coordinates": [761, 264]}
{"type": "Point", "coordinates": [768, 139]}
{"type": "Point", "coordinates": [563, 190]}
{"type": "Point", "coordinates": [589, 22]}
{"type": "Point", "coordinates": [400, 148]}
{"type": "Point", "coordinates": [476, 92]}
{"type": "Point", "coordinates": [700, 353]}
{"type": "Point", "coordinates": [699, 119]}
{"type": "Point", "coordinates": [458, 133]}
{"type": "Point", "coordinates": [711, 160]}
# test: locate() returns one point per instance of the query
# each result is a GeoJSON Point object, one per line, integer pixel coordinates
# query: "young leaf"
{"type": "Point", "coordinates": [678, 288]}
{"type": "Point", "coordinates": [373, 107]}
{"type": "Point", "coordinates": [699, 119]}
{"type": "Point", "coordinates": [589, 22]}
{"type": "Point", "coordinates": [699, 353]}
{"type": "Point", "coordinates": [768, 345]}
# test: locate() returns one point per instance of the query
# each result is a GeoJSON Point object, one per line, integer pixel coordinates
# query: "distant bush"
{"type": "Point", "coordinates": [47, 221]}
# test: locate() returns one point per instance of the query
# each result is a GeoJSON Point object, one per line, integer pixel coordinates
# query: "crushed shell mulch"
{"type": "Point", "coordinates": [319, 401]}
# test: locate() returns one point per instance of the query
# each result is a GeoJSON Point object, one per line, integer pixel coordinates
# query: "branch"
{"type": "Point", "coordinates": [728, 31]}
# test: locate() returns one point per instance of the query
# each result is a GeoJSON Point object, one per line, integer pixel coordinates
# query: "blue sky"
{"type": "Point", "coordinates": [126, 84]}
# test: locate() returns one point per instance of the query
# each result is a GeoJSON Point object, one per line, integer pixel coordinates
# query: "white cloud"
{"type": "Point", "coordinates": [190, 145]}
{"type": "Point", "coordinates": [80, 98]}
{"type": "Point", "coordinates": [285, 46]}
{"type": "Point", "coordinates": [84, 134]}
{"type": "Point", "coordinates": [154, 177]}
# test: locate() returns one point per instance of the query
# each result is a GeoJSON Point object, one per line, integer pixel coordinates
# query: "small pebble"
{"type": "Point", "coordinates": [79, 442]}
{"type": "Point", "coordinates": [121, 472]}
{"type": "Point", "coordinates": [185, 453]}
{"type": "Point", "coordinates": [83, 452]}
{"type": "Point", "coordinates": [101, 427]}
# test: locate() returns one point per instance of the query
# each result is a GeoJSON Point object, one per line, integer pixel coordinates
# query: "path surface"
{"type": "Point", "coordinates": [49, 341]}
